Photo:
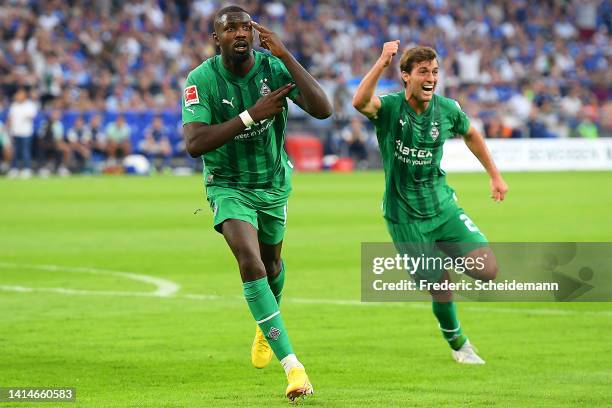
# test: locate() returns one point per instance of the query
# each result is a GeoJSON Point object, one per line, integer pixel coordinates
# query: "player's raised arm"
{"type": "Point", "coordinates": [202, 138]}
{"type": "Point", "coordinates": [475, 142]}
{"type": "Point", "coordinates": [311, 98]}
{"type": "Point", "coordinates": [364, 99]}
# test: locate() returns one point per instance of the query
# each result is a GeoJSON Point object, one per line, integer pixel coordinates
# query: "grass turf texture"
{"type": "Point", "coordinates": [185, 352]}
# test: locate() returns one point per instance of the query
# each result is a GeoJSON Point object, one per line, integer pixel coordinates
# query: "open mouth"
{"type": "Point", "coordinates": [428, 88]}
{"type": "Point", "coordinates": [241, 46]}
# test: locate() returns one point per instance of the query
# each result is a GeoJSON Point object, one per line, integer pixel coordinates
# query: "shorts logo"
{"type": "Point", "coordinates": [191, 95]}
{"type": "Point", "coordinates": [265, 89]}
{"type": "Point", "coordinates": [274, 333]}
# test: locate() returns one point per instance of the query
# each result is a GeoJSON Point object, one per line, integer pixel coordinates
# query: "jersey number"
{"type": "Point", "coordinates": [469, 223]}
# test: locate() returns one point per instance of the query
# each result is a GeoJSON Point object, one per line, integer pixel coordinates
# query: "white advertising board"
{"type": "Point", "coordinates": [533, 155]}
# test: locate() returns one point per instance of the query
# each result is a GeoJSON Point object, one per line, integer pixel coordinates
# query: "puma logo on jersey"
{"type": "Point", "coordinates": [402, 123]}
{"type": "Point", "coordinates": [230, 103]}
{"type": "Point", "coordinates": [190, 110]}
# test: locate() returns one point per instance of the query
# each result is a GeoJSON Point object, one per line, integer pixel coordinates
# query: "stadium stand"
{"type": "Point", "coordinates": [519, 69]}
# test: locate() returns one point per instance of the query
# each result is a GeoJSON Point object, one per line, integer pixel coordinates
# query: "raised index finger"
{"type": "Point", "coordinates": [283, 90]}
{"type": "Point", "coordinates": [260, 28]}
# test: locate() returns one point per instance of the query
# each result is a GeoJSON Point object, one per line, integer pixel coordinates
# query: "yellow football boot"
{"type": "Point", "coordinates": [261, 353]}
{"type": "Point", "coordinates": [299, 385]}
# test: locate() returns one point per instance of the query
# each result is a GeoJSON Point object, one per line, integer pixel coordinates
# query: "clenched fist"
{"type": "Point", "coordinates": [388, 52]}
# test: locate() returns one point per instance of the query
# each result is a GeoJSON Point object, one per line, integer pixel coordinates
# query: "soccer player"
{"type": "Point", "coordinates": [420, 209]}
{"type": "Point", "coordinates": [234, 116]}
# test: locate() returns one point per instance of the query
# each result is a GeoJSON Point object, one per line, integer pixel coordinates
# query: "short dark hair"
{"type": "Point", "coordinates": [228, 9]}
{"type": "Point", "coordinates": [415, 55]}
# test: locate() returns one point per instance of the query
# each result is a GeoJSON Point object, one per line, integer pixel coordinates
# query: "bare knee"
{"type": "Point", "coordinates": [492, 270]}
{"type": "Point", "coordinates": [483, 265]}
{"type": "Point", "coordinates": [251, 267]}
{"type": "Point", "coordinates": [489, 271]}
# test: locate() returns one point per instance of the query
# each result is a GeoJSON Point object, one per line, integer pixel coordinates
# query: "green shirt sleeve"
{"type": "Point", "coordinates": [195, 103]}
{"type": "Point", "coordinates": [382, 116]}
{"type": "Point", "coordinates": [461, 123]}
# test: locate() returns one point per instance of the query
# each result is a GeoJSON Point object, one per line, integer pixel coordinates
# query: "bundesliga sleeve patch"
{"type": "Point", "coordinates": [191, 95]}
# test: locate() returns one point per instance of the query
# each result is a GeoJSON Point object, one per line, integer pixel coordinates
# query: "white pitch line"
{"type": "Point", "coordinates": [195, 296]}
{"type": "Point", "coordinates": [168, 289]}
{"type": "Point", "coordinates": [164, 287]}
{"type": "Point", "coordinates": [310, 301]}
{"type": "Point", "coordinates": [80, 292]}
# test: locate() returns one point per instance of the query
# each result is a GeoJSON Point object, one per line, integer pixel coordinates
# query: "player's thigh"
{"type": "Point", "coordinates": [272, 223]}
{"type": "Point", "coordinates": [227, 204]}
{"type": "Point", "coordinates": [241, 237]}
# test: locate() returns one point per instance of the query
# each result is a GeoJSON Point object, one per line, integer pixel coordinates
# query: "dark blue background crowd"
{"type": "Point", "coordinates": [520, 68]}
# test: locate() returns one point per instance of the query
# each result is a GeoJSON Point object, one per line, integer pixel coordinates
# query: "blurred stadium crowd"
{"type": "Point", "coordinates": [540, 69]}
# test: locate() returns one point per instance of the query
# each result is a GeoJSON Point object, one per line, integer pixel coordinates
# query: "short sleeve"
{"type": "Point", "coordinates": [382, 116]}
{"type": "Point", "coordinates": [195, 104]}
{"type": "Point", "coordinates": [461, 122]}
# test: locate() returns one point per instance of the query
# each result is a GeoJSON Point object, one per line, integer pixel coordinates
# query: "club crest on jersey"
{"type": "Point", "coordinates": [265, 89]}
{"type": "Point", "coordinates": [435, 131]}
{"type": "Point", "coordinates": [274, 333]}
{"type": "Point", "coordinates": [191, 95]}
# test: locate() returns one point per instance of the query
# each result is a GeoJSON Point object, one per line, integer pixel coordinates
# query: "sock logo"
{"type": "Point", "coordinates": [274, 333]}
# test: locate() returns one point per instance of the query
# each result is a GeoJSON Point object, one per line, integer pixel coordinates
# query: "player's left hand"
{"type": "Point", "coordinates": [499, 188]}
{"type": "Point", "coordinates": [269, 40]}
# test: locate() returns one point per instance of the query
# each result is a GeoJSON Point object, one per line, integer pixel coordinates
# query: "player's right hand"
{"type": "Point", "coordinates": [389, 50]}
{"type": "Point", "coordinates": [271, 104]}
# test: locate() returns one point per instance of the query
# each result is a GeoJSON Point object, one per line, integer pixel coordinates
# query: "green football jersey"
{"type": "Point", "coordinates": [256, 158]}
{"type": "Point", "coordinates": [411, 150]}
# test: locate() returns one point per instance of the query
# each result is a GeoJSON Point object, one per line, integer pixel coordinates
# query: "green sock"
{"type": "Point", "coordinates": [446, 313]}
{"type": "Point", "coordinates": [277, 283]}
{"type": "Point", "coordinates": [264, 309]}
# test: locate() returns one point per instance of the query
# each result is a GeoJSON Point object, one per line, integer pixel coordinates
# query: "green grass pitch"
{"type": "Point", "coordinates": [192, 349]}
